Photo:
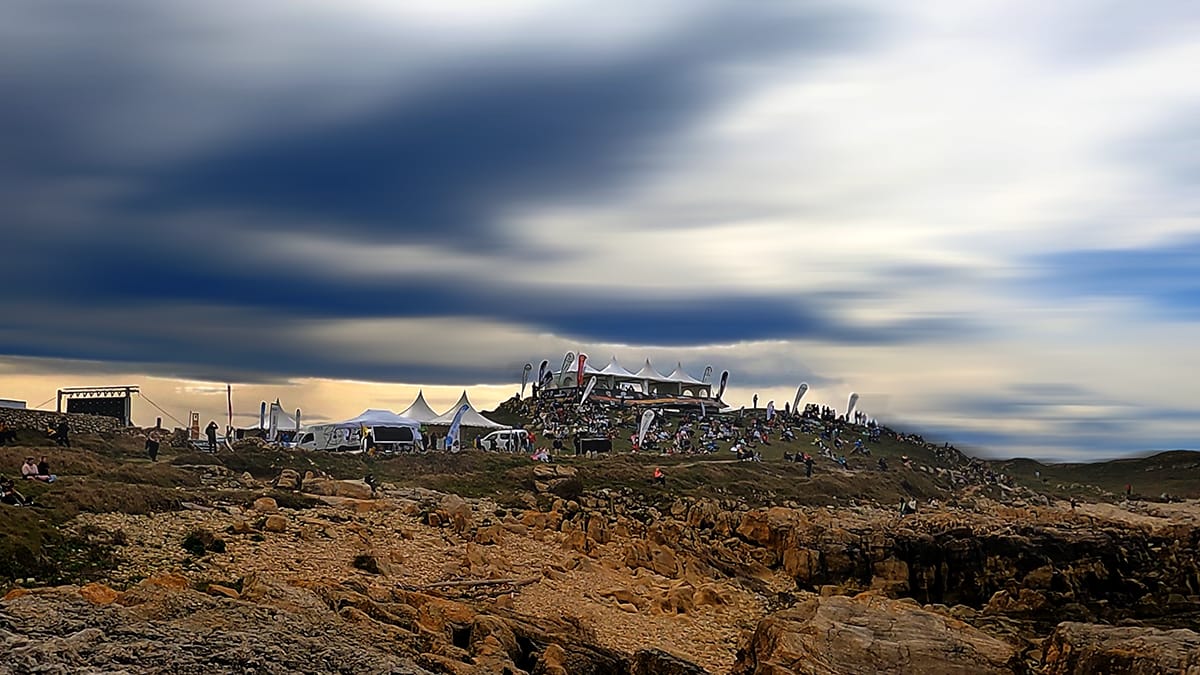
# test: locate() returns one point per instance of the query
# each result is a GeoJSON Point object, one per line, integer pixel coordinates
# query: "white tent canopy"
{"type": "Point", "coordinates": [279, 421]}
{"type": "Point", "coordinates": [470, 418]}
{"type": "Point", "coordinates": [649, 373]}
{"type": "Point", "coordinates": [420, 410]}
{"type": "Point", "coordinates": [614, 368]}
{"type": "Point", "coordinates": [349, 434]}
{"type": "Point", "coordinates": [375, 417]}
{"type": "Point", "coordinates": [679, 375]}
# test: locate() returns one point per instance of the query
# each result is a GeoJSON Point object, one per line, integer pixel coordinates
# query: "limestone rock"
{"type": "Point", "coordinates": [265, 505]}
{"type": "Point", "coordinates": [275, 523]}
{"type": "Point", "coordinates": [355, 489]}
{"type": "Point", "coordinates": [865, 634]}
{"type": "Point", "coordinates": [99, 594]}
{"type": "Point", "coordinates": [222, 591]}
{"type": "Point", "coordinates": [1078, 648]}
{"type": "Point", "coordinates": [288, 479]}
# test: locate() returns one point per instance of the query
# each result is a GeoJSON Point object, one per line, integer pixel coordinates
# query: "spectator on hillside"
{"type": "Point", "coordinates": [29, 469]}
{"type": "Point", "coordinates": [211, 432]}
{"type": "Point", "coordinates": [659, 476]}
{"type": "Point", "coordinates": [43, 471]}
{"type": "Point", "coordinates": [152, 445]}
{"type": "Point", "coordinates": [62, 434]}
{"type": "Point", "coordinates": [7, 434]}
{"type": "Point", "coordinates": [9, 494]}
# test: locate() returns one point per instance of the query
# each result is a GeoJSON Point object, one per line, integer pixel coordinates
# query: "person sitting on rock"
{"type": "Point", "coordinates": [659, 476]}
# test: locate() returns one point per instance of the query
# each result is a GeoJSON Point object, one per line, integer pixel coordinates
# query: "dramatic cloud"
{"type": "Point", "coordinates": [981, 216]}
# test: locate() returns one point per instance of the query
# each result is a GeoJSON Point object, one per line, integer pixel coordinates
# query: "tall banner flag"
{"type": "Point", "coordinates": [452, 435]}
{"type": "Point", "coordinates": [850, 406]}
{"type": "Point", "coordinates": [703, 412]}
{"type": "Point", "coordinates": [770, 410]}
{"type": "Point", "coordinates": [547, 379]}
{"type": "Point", "coordinates": [647, 418]}
{"type": "Point", "coordinates": [587, 392]}
{"type": "Point", "coordinates": [262, 415]}
{"type": "Point", "coordinates": [567, 361]}
{"type": "Point", "coordinates": [800, 391]}
{"type": "Point", "coordinates": [542, 371]}
{"type": "Point", "coordinates": [525, 378]}
{"type": "Point", "coordinates": [297, 419]}
{"type": "Point", "coordinates": [707, 374]}
{"type": "Point", "coordinates": [579, 371]}
{"type": "Point", "coordinates": [229, 399]}
{"type": "Point", "coordinates": [724, 381]}
{"type": "Point", "coordinates": [756, 401]}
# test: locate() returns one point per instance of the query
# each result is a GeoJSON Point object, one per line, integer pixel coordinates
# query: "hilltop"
{"type": "Point", "coordinates": [478, 562]}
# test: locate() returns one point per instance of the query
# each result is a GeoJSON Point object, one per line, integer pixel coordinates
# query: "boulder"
{"type": "Point", "coordinates": [99, 594]}
{"type": "Point", "coordinates": [869, 633]}
{"type": "Point", "coordinates": [222, 591]}
{"type": "Point", "coordinates": [355, 489]}
{"type": "Point", "coordinates": [456, 511]}
{"type": "Point", "coordinates": [275, 523]}
{"type": "Point", "coordinates": [265, 505]}
{"type": "Point", "coordinates": [288, 479]}
{"type": "Point", "coordinates": [1077, 648]}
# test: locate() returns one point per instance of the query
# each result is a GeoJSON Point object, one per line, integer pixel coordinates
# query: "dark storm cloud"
{"type": "Point", "coordinates": [128, 218]}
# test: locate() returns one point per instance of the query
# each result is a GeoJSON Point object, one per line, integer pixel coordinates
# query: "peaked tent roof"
{"type": "Point", "coordinates": [614, 368]}
{"type": "Point", "coordinates": [678, 375]}
{"type": "Point", "coordinates": [374, 417]}
{"type": "Point", "coordinates": [420, 410]}
{"type": "Point", "coordinates": [649, 373]}
{"type": "Point", "coordinates": [470, 418]}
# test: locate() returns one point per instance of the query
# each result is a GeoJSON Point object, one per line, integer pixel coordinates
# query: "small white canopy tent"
{"type": "Point", "coordinates": [386, 427]}
{"type": "Point", "coordinates": [420, 410]}
{"type": "Point", "coordinates": [470, 418]}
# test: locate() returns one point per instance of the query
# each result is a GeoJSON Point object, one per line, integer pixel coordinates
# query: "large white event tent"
{"type": "Point", "coordinates": [470, 418]}
{"type": "Point", "coordinates": [420, 410]}
{"type": "Point", "coordinates": [647, 380]}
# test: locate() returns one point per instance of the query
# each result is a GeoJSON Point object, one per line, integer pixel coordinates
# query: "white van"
{"type": "Point", "coordinates": [505, 440]}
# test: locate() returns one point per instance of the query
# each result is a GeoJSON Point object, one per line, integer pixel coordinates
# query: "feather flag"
{"type": "Point", "coordinates": [850, 405]}
{"type": "Point", "coordinates": [567, 361]}
{"type": "Point", "coordinates": [452, 434]}
{"type": "Point", "coordinates": [525, 378]}
{"type": "Point", "coordinates": [724, 381]}
{"type": "Point", "coordinates": [542, 371]}
{"type": "Point", "coordinates": [647, 418]}
{"type": "Point", "coordinates": [800, 391]}
{"type": "Point", "coordinates": [587, 392]}
{"type": "Point", "coordinates": [707, 374]}
{"type": "Point", "coordinates": [579, 371]}
{"type": "Point", "coordinates": [770, 410]}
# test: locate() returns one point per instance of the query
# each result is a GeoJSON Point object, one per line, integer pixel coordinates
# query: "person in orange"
{"type": "Point", "coordinates": [659, 476]}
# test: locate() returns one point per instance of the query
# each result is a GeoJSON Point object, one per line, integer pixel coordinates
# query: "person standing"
{"type": "Point", "coordinates": [152, 446]}
{"type": "Point", "coordinates": [211, 432]}
{"type": "Point", "coordinates": [62, 434]}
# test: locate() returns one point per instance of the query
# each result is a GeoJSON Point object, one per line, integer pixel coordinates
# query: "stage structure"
{"type": "Point", "coordinates": [107, 401]}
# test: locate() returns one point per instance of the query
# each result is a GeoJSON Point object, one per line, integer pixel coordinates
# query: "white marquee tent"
{"type": "Point", "coordinates": [420, 410]}
{"type": "Point", "coordinates": [471, 418]}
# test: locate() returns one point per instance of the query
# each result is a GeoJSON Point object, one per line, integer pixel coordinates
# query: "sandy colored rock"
{"type": "Point", "coordinates": [276, 523]}
{"type": "Point", "coordinates": [355, 489]}
{"type": "Point", "coordinates": [1079, 648]}
{"type": "Point", "coordinates": [265, 505]}
{"type": "Point", "coordinates": [99, 594]}
{"type": "Point", "coordinates": [869, 633]}
{"type": "Point", "coordinates": [222, 591]}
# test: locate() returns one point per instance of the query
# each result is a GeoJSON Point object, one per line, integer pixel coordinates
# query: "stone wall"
{"type": "Point", "coordinates": [41, 420]}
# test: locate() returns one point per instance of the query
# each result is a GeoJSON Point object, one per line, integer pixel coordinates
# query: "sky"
{"type": "Point", "coordinates": [983, 217]}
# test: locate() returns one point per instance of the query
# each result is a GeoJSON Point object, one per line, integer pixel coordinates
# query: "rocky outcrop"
{"type": "Point", "coordinates": [1079, 648]}
{"type": "Point", "coordinates": [869, 633]}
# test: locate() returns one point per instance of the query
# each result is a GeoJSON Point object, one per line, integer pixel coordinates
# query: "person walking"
{"type": "Point", "coordinates": [62, 434]}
